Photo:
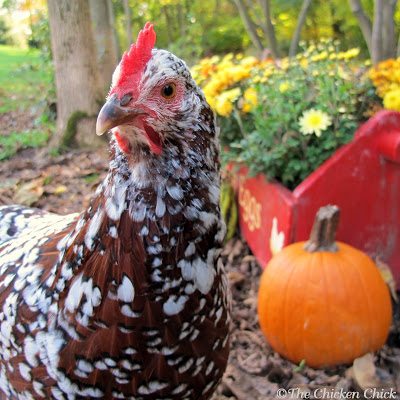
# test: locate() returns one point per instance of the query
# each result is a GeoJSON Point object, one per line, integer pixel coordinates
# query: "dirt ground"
{"type": "Point", "coordinates": [64, 184]}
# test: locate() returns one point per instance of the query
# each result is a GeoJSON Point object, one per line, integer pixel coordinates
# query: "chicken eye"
{"type": "Point", "coordinates": [168, 91]}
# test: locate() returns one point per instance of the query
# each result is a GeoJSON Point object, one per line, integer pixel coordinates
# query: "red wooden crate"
{"type": "Point", "coordinates": [362, 178]}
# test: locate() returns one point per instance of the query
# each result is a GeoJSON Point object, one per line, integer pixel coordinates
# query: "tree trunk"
{"type": "Point", "coordinates": [107, 56]}
{"type": "Point", "coordinates": [181, 20]}
{"type": "Point", "coordinates": [377, 30]}
{"type": "Point", "coordinates": [111, 15]}
{"type": "Point", "coordinates": [76, 73]}
{"type": "Point", "coordinates": [300, 23]}
{"type": "Point", "coordinates": [364, 22]}
{"type": "Point", "coordinates": [388, 33]}
{"type": "Point", "coordinates": [249, 25]}
{"type": "Point", "coordinates": [217, 8]}
{"type": "Point", "coordinates": [269, 28]}
{"type": "Point", "coordinates": [128, 22]}
{"type": "Point", "coordinates": [398, 47]}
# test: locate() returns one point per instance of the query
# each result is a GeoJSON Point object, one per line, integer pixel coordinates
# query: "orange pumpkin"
{"type": "Point", "coordinates": [323, 301]}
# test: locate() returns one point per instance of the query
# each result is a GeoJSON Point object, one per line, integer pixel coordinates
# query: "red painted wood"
{"type": "Point", "coordinates": [258, 210]}
{"type": "Point", "coordinates": [362, 178]}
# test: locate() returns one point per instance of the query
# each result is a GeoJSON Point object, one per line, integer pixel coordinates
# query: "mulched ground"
{"type": "Point", "coordinates": [17, 121]}
{"type": "Point", "coordinates": [255, 372]}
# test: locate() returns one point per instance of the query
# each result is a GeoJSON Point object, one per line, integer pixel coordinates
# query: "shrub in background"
{"type": "Point", "coordinates": [5, 37]}
{"type": "Point", "coordinates": [386, 78]}
{"type": "Point", "coordinates": [285, 118]}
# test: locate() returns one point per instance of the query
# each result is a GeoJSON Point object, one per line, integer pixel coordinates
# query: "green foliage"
{"type": "Point", "coordinates": [300, 367]}
{"type": "Point", "coordinates": [40, 36]}
{"type": "Point", "coordinates": [190, 29]}
{"type": "Point", "coordinates": [23, 84]}
{"type": "Point", "coordinates": [325, 19]}
{"type": "Point", "coordinates": [186, 51]}
{"type": "Point", "coordinates": [15, 141]}
{"type": "Point", "coordinates": [271, 138]}
{"type": "Point", "coordinates": [228, 36]}
{"type": "Point", "coordinates": [40, 39]}
{"type": "Point", "coordinates": [23, 81]}
{"type": "Point", "coordinates": [5, 37]}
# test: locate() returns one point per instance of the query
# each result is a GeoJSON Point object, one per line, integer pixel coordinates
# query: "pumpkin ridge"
{"type": "Point", "coordinates": [286, 332]}
{"type": "Point", "coordinates": [299, 299]}
{"type": "Point", "coordinates": [305, 304]}
{"type": "Point", "coordinates": [342, 265]}
{"type": "Point", "coordinates": [366, 294]}
{"type": "Point", "coordinates": [324, 274]}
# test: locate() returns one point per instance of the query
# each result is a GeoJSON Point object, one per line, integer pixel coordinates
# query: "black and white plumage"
{"type": "Point", "coordinates": [128, 299]}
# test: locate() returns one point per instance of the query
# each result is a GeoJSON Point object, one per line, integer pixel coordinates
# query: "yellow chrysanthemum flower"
{"type": "Point", "coordinates": [249, 61]}
{"type": "Point", "coordinates": [228, 57]}
{"type": "Point", "coordinates": [320, 56]}
{"type": "Point", "coordinates": [250, 99]}
{"type": "Point", "coordinates": [386, 77]}
{"type": "Point", "coordinates": [268, 72]}
{"type": "Point", "coordinates": [314, 121]}
{"type": "Point", "coordinates": [391, 100]}
{"type": "Point", "coordinates": [239, 73]}
{"type": "Point", "coordinates": [215, 59]}
{"type": "Point", "coordinates": [223, 106]}
{"type": "Point", "coordinates": [284, 87]}
{"type": "Point", "coordinates": [353, 52]}
{"type": "Point", "coordinates": [311, 48]}
{"type": "Point", "coordinates": [343, 73]}
{"type": "Point", "coordinates": [304, 63]}
{"type": "Point", "coordinates": [224, 102]}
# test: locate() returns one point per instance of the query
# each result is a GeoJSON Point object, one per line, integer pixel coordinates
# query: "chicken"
{"type": "Point", "coordinates": [127, 300]}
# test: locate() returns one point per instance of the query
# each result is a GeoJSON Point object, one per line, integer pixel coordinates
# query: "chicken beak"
{"type": "Point", "coordinates": [113, 114]}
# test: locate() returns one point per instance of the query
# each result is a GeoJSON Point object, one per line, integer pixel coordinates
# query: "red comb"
{"type": "Point", "coordinates": [134, 60]}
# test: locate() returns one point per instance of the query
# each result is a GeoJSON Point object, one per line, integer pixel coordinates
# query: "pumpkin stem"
{"type": "Point", "coordinates": [322, 237]}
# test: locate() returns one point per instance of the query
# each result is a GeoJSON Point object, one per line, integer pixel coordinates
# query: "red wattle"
{"type": "Point", "coordinates": [123, 143]}
{"type": "Point", "coordinates": [153, 139]}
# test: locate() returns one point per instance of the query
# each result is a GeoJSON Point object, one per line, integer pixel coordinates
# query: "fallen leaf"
{"type": "Point", "coordinates": [236, 250]}
{"type": "Point", "coordinates": [60, 189]}
{"type": "Point", "coordinates": [367, 375]}
{"type": "Point", "coordinates": [343, 385]}
{"type": "Point", "coordinates": [245, 387]}
{"type": "Point", "coordinates": [387, 276]}
{"type": "Point", "coordinates": [297, 380]}
{"type": "Point", "coordinates": [235, 278]}
{"type": "Point", "coordinates": [251, 302]}
{"type": "Point", "coordinates": [8, 183]}
{"type": "Point", "coordinates": [248, 258]}
{"type": "Point", "coordinates": [29, 193]}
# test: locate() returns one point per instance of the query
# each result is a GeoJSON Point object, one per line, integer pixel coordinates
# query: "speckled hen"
{"type": "Point", "coordinates": [126, 300]}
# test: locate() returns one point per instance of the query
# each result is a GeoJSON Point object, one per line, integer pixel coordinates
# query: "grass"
{"type": "Point", "coordinates": [10, 144]}
{"type": "Point", "coordinates": [23, 76]}
{"type": "Point", "coordinates": [24, 82]}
